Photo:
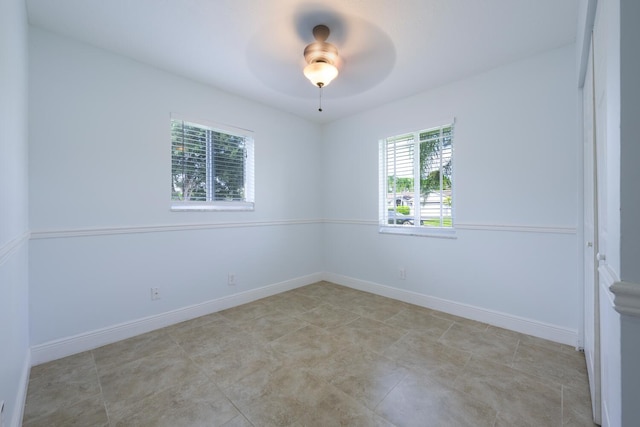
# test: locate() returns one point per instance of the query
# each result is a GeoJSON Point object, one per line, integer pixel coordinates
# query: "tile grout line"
{"type": "Point", "coordinates": [561, 404]}
{"type": "Point", "coordinates": [189, 356]}
{"type": "Point", "coordinates": [445, 332]}
{"type": "Point", "coordinates": [389, 392]}
{"type": "Point", "coordinates": [393, 343]}
{"type": "Point", "coordinates": [495, 420]}
{"type": "Point", "coordinates": [513, 358]}
{"type": "Point", "coordinates": [104, 402]}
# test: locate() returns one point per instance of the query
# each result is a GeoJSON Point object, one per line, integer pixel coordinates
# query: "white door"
{"type": "Point", "coordinates": [591, 299]}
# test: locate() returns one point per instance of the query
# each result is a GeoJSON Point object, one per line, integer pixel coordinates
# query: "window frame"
{"type": "Point", "coordinates": [248, 202]}
{"type": "Point", "coordinates": [383, 215]}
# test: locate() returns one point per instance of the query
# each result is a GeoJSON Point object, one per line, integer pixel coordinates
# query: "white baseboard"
{"type": "Point", "coordinates": [21, 396]}
{"type": "Point", "coordinates": [68, 346]}
{"type": "Point", "coordinates": [502, 320]}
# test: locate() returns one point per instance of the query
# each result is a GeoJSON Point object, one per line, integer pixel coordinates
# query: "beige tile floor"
{"type": "Point", "coordinates": [320, 355]}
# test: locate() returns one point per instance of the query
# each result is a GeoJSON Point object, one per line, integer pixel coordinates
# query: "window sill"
{"type": "Point", "coordinates": [409, 230]}
{"type": "Point", "coordinates": [213, 207]}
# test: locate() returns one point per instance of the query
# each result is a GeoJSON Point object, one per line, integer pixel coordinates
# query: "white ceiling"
{"type": "Point", "coordinates": [390, 49]}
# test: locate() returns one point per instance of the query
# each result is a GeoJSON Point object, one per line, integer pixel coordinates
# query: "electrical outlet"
{"type": "Point", "coordinates": [155, 294]}
{"type": "Point", "coordinates": [402, 273]}
{"type": "Point", "coordinates": [231, 281]}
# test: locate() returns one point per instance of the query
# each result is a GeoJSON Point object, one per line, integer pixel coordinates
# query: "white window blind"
{"type": "Point", "coordinates": [416, 181]}
{"type": "Point", "coordinates": [211, 167]}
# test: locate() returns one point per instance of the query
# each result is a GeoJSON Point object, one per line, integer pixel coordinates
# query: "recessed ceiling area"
{"type": "Point", "coordinates": [254, 49]}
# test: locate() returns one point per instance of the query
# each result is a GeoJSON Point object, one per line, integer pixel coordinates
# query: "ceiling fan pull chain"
{"type": "Point", "coordinates": [320, 102]}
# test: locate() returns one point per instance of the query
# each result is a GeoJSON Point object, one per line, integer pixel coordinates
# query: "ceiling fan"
{"type": "Point", "coordinates": [348, 52]}
{"type": "Point", "coordinates": [321, 57]}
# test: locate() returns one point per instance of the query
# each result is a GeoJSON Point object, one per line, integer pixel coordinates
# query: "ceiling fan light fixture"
{"type": "Point", "coordinates": [321, 58]}
{"type": "Point", "coordinates": [320, 73]}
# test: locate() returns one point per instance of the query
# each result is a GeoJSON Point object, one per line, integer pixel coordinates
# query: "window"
{"type": "Point", "coordinates": [211, 167]}
{"type": "Point", "coordinates": [416, 182]}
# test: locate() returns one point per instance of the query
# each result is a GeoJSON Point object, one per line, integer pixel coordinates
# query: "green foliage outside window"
{"type": "Point", "coordinates": [405, 210]}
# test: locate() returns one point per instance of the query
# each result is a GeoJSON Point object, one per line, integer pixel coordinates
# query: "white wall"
{"type": "Point", "coordinates": [586, 15]}
{"type": "Point", "coordinates": [515, 167]}
{"type": "Point", "coordinates": [102, 231]}
{"type": "Point", "coordinates": [14, 336]}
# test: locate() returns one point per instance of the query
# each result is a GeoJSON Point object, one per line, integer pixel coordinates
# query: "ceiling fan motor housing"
{"type": "Point", "coordinates": [320, 50]}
